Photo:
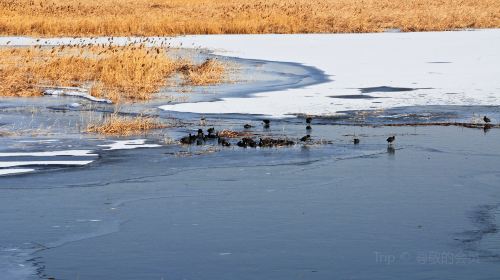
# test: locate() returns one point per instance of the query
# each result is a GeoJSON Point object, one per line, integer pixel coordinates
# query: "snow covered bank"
{"type": "Point", "coordinates": [368, 71]}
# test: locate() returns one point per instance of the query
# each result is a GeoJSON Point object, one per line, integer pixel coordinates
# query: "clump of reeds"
{"type": "Point", "coordinates": [233, 134]}
{"type": "Point", "coordinates": [208, 73]}
{"type": "Point", "coordinates": [125, 126]}
{"type": "Point", "coordinates": [119, 73]}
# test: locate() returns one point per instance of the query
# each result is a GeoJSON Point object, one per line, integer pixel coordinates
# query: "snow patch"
{"type": "Point", "coordinates": [357, 61]}
{"type": "Point", "coordinates": [75, 93]}
{"type": "Point", "coordinates": [129, 144]}
{"type": "Point", "coordinates": [12, 171]}
{"type": "Point", "coordinates": [4, 164]}
{"type": "Point", "coordinates": [81, 153]}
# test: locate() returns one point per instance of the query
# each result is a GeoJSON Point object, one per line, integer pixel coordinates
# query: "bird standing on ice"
{"type": "Point", "coordinates": [391, 139]}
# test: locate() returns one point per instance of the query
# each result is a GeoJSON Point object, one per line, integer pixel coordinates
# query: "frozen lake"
{"type": "Point", "coordinates": [80, 206]}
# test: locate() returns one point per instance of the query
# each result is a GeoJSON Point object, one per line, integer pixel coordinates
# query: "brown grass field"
{"type": "Point", "coordinates": [171, 17]}
{"type": "Point", "coordinates": [118, 73]}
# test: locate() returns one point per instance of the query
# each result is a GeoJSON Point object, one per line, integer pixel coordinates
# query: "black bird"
{"type": "Point", "coordinates": [309, 120]}
{"type": "Point", "coordinates": [188, 139]}
{"type": "Point", "coordinates": [266, 123]}
{"type": "Point", "coordinates": [211, 134]}
{"type": "Point", "coordinates": [223, 142]}
{"type": "Point", "coordinates": [247, 142]}
{"type": "Point", "coordinates": [391, 139]}
{"type": "Point", "coordinates": [305, 138]}
{"type": "Point", "coordinates": [308, 127]}
{"type": "Point", "coordinates": [200, 133]}
{"type": "Point", "coordinates": [486, 119]}
{"type": "Point", "coordinates": [247, 126]}
{"type": "Point", "coordinates": [356, 141]}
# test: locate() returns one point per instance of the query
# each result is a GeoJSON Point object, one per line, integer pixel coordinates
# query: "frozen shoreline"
{"type": "Point", "coordinates": [372, 71]}
{"type": "Point", "coordinates": [397, 69]}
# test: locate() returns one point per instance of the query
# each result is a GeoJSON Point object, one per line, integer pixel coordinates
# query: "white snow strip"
{"type": "Point", "coordinates": [81, 153]}
{"type": "Point", "coordinates": [76, 93]}
{"type": "Point", "coordinates": [4, 164]}
{"type": "Point", "coordinates": [449, 68]}
{"type": "Point", "coordinates": [12, 171]}
{"type": "Point", "coordinates": [38, 141]}
{"type": "Point", "coordinates": [129, 144]}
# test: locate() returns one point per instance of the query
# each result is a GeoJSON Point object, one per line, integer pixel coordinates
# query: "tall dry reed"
{"type": "Point", "coordinates": [167, 17]}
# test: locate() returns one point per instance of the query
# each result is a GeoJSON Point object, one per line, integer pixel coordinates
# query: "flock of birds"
{"type": "Point", "coordinates": [201, 138]}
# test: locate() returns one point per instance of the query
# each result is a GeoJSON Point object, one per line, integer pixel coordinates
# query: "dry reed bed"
{"type": "Point", "coordinates": [118, 73]}
{"type": "Point", "coordinates": [125, 126]}
{"type": "Point", "coordinates": [167, 17]}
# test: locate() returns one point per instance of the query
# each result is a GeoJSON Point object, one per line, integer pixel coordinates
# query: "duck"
{"type": "Point", "coordinates": [305, 138]}
{"type": "Point", "coordinates": [247, 142]}
{"type": "Point", "coordinates": [308, 127]}
{"type": "Point", "coordinates": [266, 123]}
{"type": "Point", "coordinates": [247, 126]}
{"type": "Point", "coordinates": [391, 139]}
{"type": "Point", "coordinates": [223, 142]}
{"type": "Point", "coordinates": [188, 139]}
{"type": "Point", "coordinates": [486, 119]}
{"type": "Point", "coordinates": [309, 120]}
{"type": "Point", "coordinates": [200, 134]}
{"type": "Point", "coordinates": [355, 141]}
{"type": "Point", "coordinates": [211, 134]}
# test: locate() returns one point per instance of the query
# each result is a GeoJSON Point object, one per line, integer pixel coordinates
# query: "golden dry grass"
{"type": "Point", "coordinates": [125, 126]}
{"type": "Point", "coordinates": [233, 134]}
{"type": "Point", "coordinates": [118, 73]}
{"type": "Point", "coordinates": [210, 72]}
{"type": "Point", "coordinates": [167, 17]}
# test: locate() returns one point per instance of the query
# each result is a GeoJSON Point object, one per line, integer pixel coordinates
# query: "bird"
{"type": "Point", "coordinates": [203, 121]}
{"type": "Point", "coordinates": [486, 119]}
{"type": "Point", "coordinates": [356, 141]}
{"type": "Point", "coordinates": [188, 139]}
{"type": "Point", "coordinates": [305, 138]}
{"type": "Point", "coordinates": [200, 133]}
{"type": "Point", "coordinates": [266, 123]}
{"type": "Point", "coordinates": [309, 119]}
{"type": "Point", "coordinates": [391, 139]}
{"type": "Point", "coordinates": [247, 142]}
{"type": "Point", "coordinates": [211, 134]}
{"type": "Point", "coordinates": [223, 142]}
{"type": "Point", "coordinates": [247, 126]}
{"type": "Point", "coordinates": [308, 127]}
